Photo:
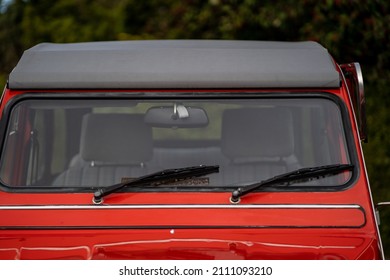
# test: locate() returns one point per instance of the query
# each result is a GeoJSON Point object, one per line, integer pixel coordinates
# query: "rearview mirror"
{"type": "Point", "coordinates": [177, 116]}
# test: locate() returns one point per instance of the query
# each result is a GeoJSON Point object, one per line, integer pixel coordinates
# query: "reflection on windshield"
{"type": "Point", "coordinates": [96, 143]}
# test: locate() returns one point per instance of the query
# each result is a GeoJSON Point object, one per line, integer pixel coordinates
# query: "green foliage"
{"type": "Point", "coordinates": [352, 31]}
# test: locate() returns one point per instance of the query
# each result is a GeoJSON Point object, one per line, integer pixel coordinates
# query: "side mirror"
{"type": "Point", "coordinates": [177, 116]}
{"type": "Point", "coordinates": [379, 205]}
{"type": "Point", "coordinates": [354, 79]}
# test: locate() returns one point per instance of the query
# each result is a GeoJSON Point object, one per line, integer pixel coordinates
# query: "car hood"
{"type": "Point", "coordinates": [186, 232]}
{"type": "Point", "coordinates": [188, 244]}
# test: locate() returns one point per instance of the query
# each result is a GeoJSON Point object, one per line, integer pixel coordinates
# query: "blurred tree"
{"type": "Point", "coordinates": [10, 46]}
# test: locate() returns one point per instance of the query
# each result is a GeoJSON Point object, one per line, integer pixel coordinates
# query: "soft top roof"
{"type": "Point", "coordinates": [175, 64]}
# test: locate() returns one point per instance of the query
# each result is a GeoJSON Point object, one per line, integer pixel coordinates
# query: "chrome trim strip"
{"type": "Point", "coordinates": [180, 206]}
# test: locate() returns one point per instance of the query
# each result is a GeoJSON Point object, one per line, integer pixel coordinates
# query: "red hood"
{"type": "Point", "coordinates": [185, 244]}
{"type": "Point", "coordinates": [187, 232]}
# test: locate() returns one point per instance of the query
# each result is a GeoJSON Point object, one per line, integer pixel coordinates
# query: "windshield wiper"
{"type": "Point", "coordinates": [161, 177]}
{"type": "Point", "coordinates": [300, 175]}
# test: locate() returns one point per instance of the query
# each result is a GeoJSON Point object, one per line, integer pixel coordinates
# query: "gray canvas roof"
{"type": "Point", "coordinates": [181, 64]}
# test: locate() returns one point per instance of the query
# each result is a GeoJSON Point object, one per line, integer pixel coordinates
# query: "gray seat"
{"type": "Point", "coordinates": [259, 143]}
{"type": "Point", "coordinates": [112, 147]}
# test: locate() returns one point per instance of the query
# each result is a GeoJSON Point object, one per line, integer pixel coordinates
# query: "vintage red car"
{"type": "Point", "coordinates": [184, 150]}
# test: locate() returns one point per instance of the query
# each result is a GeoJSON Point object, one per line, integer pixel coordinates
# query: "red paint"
{"type": "Point", "coordinates": [178, 218]}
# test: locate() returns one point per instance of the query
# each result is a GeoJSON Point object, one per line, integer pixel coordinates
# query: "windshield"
{"type": "Point", "coordinates": [79, 143]}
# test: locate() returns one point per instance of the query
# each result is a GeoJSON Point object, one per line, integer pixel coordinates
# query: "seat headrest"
{"type": "Point", "coordinates": [257, 133]}
{"type": "Point", "coordinates": [115, 138]}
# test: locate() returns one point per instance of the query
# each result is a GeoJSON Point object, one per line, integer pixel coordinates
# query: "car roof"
{"type": "Point", "coordinates": [175, 64]}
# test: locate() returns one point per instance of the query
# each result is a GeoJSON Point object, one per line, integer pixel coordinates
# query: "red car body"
{"type": "Point", "coordinates": [314, 224]}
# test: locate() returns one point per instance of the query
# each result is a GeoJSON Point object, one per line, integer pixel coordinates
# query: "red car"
{"type": "Point", "coordinates": [184, 150]}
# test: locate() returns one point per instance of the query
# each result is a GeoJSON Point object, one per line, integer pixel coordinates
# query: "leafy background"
{"type": "Point", "coordinates": [351, 30]}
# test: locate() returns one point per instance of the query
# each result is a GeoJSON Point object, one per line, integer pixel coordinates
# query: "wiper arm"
{"type": "Point", "coordinates": [303, 174]}
{"type": "Point", "coordinates": [161, 177]}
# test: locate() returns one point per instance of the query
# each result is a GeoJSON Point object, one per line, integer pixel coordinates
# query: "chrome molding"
{"type": "Point", "coordinates": [180, 206]}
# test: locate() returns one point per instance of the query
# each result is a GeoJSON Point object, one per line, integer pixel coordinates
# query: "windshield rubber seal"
{"type": "Point", "coordinates": [211, 95]}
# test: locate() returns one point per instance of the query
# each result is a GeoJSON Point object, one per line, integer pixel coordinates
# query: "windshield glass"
{"type": "Point", "coordinates": [78, 143]}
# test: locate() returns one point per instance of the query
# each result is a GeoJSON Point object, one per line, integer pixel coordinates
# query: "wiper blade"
{"type": "Point", "coordinates": [300, 175]}
{"type": "Point", "coordinates": [161, 177]}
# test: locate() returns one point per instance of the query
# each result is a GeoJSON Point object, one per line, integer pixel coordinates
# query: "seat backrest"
{"type": "Point", "coordinates": [259, 143]}
{"type": "Point", "coordinates": [115, 138]}
{"type": "Point", "coordinates": [257, 133]}
{"type": "Point", "coordinates": [112, 147]}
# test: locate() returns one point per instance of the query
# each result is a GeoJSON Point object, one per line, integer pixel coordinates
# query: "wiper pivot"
{"type": "Point", "coordinates": [300, 175]}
